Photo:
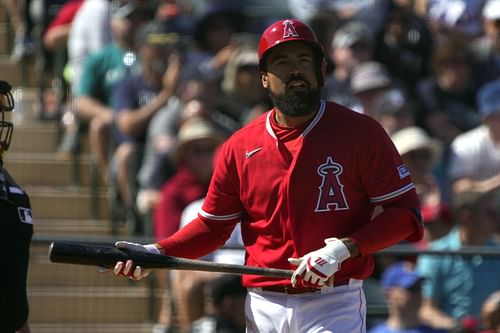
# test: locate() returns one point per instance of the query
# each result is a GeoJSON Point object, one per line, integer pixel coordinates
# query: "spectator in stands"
{"type": "Point", "coordinates": [325, 24]}
{"type": "Point", "coordinates": [486, 47]}
{"type": "Point", "coordinates": [369, 81]}
{"type": "Point", "coordinates": [136, 99]}
{"type": "Point", "coordinates": [225, 298]}
{"type": "Point", "coordinates": [437, 223]}
{"type": "Point", "coordinates": [394, 111]}
{"type": "Point", "coordinates": [243, 96]}
{"type": "Point", "coordinates": [421, 153]}
{"type": "Point", "coordinates": [475, 155]}
{"type": "Point", "coordinates": [16, 234]}
{"type": "Point", "coordinates": [448, 95]}
{"type": "Point", "coordinates": [22, 25]}
{"type": "Point", "coordinates": [456, 286]}
{"type": "Point", "coordinates": [401, 286]}
{"type": "Point", "coordinates": [197, 141]}
{"type": "Point", "coordinates": [404, 44]}
{"type": "Point", "coordinates": [196, 95]}
{"type": "Point", "coordinates": [490, 314]}
{"type": "Point", "coordinates": [57, 33]}
{"type": "Point", "coordinates": [461, 18]}
{"type": "Point", "coordinates": [214, 30]}
{"type": "Point", "coordinates": [102, 71]}
{"type": "Point", "coordinates": [352, 44]}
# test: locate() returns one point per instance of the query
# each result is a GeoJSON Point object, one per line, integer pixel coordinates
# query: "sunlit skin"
{"type": "Point", "coordinates": [291, 67]}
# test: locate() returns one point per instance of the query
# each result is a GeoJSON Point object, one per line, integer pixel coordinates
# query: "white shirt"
{"type": "Point", "coordinates": [474, 155]}
{"type": "Point", "coordinates": [90, 32]}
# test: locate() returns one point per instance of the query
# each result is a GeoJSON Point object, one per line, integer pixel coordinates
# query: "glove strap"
{"type": "Point", "coordinates": [152, 248]}
{"type": "Point", "coordinates": [338, 249]}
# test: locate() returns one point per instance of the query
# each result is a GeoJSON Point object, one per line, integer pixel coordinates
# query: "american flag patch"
{"type": "Point", "coordinates": [403, 171]}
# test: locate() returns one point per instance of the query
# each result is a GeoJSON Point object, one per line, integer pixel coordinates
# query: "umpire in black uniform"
{"type": "Point", "coordinates": [16, 230]}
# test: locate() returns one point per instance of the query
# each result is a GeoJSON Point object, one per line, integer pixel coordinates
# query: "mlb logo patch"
{"type": "Point", "coordinates": [25, 215]}
{"type": "Point", "coordinates": [403, 171]}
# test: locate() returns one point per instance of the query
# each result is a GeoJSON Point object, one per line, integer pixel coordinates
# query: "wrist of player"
{"type": "Point", "coordinates": [337, 249]}
{"type": "Point", "coordinates": [317, 267]}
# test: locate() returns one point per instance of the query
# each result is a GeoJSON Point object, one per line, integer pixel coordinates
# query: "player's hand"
{"type": "Point", "coordinates": [316, 268]}
{"type": "Point", "coordinates": [129, 268]}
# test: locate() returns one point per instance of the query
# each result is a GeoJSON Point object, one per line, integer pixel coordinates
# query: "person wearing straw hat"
{"type": "Point", "coordinates": [421, 153]}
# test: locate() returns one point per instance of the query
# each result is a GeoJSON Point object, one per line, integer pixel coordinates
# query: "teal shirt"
{"type": "Point", "coordinates": [459, 284]}
{"type": "Point", "coordinates": [102, 70]}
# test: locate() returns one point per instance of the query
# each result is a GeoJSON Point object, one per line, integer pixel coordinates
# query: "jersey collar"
{"type": "Point", "coordinates": [313, 123]}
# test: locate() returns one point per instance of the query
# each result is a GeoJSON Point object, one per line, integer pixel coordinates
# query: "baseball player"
{"type": "Point", "coordinates": [15, 235]}
{"type": "Point", "coordinates": [303, 181]}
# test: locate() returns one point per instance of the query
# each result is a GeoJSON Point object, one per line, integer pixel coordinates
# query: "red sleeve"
{"type": "Point", "coordinates": [397, 222]}
{"type": "Point", "coordinates": [65, 14]}
{"type": "Point", "coordinates": [197, 239]}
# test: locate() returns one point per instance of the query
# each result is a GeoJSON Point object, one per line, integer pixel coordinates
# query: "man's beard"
{"type": "Point", "coordinates": [296, 103]}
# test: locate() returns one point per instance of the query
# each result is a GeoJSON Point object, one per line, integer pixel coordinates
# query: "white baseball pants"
{"type": "Point", "coordinates": [339, 309]}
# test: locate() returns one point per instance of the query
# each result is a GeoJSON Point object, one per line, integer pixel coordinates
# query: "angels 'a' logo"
{"type": "Point", "coordinates": [289, 29]}
{"type": "Point", "coordinates": [331, 191]}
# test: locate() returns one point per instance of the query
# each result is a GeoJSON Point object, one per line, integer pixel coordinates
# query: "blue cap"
{"type": "Point", "coordinates": [400, 275]}
{"type": "Point", "coordinates": [488, 98]}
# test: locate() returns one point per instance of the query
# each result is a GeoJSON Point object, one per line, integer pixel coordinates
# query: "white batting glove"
{"type": "Point", "coordinates": [317, 267]}
{"type": "Point", "coordinates": [128, 268]}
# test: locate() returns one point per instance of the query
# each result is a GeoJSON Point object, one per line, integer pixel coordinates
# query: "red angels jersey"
{"type": "Point", "coordinates": [345, 166]}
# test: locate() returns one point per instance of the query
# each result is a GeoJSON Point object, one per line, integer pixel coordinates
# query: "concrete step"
{"type": "Point", "coordinates": [71, 227]}
{"type": "Point", "coordinates": [67, 202]}
{"type": "Point", "coordinates": [31, 137]}
{"type": "Point", "coordinates": [91, 327]}
{"type": "Point", "coordinates": [23, 73]}
{"type": "Point", "coordinates": [130, 304]}
{"type": "Point", "coordinates": [52, 169]}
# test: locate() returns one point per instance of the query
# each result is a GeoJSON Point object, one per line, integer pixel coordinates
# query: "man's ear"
{"type": "Point", "coordinates": [264, 79]}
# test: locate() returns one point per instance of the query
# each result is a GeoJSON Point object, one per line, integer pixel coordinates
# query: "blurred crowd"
{"type": "Point", "coordinates": [156, 86]}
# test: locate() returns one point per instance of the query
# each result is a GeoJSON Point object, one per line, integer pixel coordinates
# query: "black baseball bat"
{"type": "Point", "coordinates": [106, 256]}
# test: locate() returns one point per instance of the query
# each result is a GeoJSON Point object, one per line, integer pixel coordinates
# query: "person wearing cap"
{"type": "Point", "coordinates": [352, 44]}
{"type": "Point", "coordinates": [369, 80]}
{"type": "Point", "coordinates": [96, 68]}
{"type": "Point", "coordinates": [393, 111]}
{"type": "Point", "coordinates": [475, 155]}
{"type": "Point", "coordinates": [303, 185]}
{"type": "Point", "coordinates": [17, 220]}
{"type": "Point", "coordinates": [135, 101]}
{"type": "Point", "coordinates": [456, 286]}
{"type": "Point", "coordinates": [401, 287]}
{"type": "Point", "coordinates": [243, 97]}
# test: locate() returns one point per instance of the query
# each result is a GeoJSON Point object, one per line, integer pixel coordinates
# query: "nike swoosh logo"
{"type": "Point", "coordinates": [250, 153]}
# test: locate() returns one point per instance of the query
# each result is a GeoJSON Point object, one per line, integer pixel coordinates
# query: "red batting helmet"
{"type": "Point", "coordinates": [291, 30]}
